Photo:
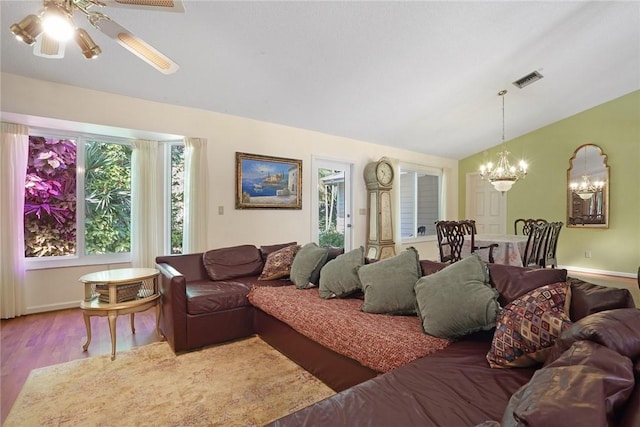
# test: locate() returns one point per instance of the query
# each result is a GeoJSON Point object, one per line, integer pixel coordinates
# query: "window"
{"type": "Point", "coordinates": [78, 199]}
{"type": "Point", "coordinates": [420, 201]}
{"type": "Point", "coordinates": [176, 216]}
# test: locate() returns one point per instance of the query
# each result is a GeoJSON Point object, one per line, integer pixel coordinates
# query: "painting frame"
{"type": "Point", "coordinates": [268, 182]}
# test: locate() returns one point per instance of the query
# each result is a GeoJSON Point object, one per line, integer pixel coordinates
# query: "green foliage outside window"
{"type": "Point", "coordinates": [331, 237]}
{"type": "Point", "coordinates": [50, 198]}
{"type": "Point", "coordinates": [177, 197]}
{"type": "Point", "coordinates": [107, 198]}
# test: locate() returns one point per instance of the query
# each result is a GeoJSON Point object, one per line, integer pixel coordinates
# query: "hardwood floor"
{"type": "Point", "coordinates": [44, 339]}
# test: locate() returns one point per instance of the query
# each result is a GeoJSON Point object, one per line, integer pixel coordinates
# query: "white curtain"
{"type": "Point", "coordinates": [145, 228]}
{"type": "Point", "coordinates": [194, 238]}
{"type": "Point", "coordinates": [13, 170]}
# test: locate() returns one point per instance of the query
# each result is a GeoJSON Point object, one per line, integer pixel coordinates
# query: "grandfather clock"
{"type": "Point", "coordinates": [378, 177]}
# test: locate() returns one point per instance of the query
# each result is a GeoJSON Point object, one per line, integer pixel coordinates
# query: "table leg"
{"type": "Point", "coordinates": [112, 330]}
{"type": "Point", "coordinates": [133, 327]}
{"type": "Point", "coordinates": [87, 323]}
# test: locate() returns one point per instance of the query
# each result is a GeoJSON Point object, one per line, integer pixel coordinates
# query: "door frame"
{"type": "Point", "coordinates": [322, 162]}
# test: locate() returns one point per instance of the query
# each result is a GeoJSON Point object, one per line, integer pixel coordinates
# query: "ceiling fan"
{"type": "Point", "coordinates": [53, 26]}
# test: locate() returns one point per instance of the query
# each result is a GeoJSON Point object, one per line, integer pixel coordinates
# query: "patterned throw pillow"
{"type": "Point", "coordinates": [278, 263]}
{"type": "Point", "coordinates": [528, 326]}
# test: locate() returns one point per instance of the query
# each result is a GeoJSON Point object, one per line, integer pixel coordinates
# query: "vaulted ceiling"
{"type": "Point", "coordinates": [419, 75]}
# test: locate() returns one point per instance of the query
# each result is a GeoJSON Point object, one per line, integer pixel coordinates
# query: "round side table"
{"type": "Point", "coordinates": [111, 293]}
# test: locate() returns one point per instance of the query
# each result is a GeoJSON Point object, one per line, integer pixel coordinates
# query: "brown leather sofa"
{"type": "Point", "coordinates": [207, 304]}
{"type": "Point", "coordinates": [204, 295]}
{"type": "Point", "coordinates": [453, 387]}
{"type": "Point", "coordinates": [588, 379]}
{"type": "Point", "coordinates": [591, 381]}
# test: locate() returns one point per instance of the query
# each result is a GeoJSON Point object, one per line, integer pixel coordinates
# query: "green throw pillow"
{"type": "Point", "coordinates": [339, 277]}
{"type": "Point", "coordinates": [457, 300]}
{"type": "Point", "coordinates": [305, 270]}
{"type": "Point", "coordinates": [388, 284]}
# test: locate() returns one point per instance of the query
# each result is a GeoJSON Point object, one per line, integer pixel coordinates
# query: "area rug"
{"type": "Point", "coordinates": [243, 383]}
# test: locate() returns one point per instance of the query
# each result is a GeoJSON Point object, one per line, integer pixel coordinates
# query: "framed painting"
{"type": "Point", "coordinates": [265, 182]}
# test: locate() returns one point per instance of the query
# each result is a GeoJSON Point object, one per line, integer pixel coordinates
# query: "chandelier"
{"type": "Point", "coordinates": [586, 189]}
{"type": "Point", "coordinates": [503, 175]}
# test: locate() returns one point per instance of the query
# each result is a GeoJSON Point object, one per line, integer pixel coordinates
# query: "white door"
{"type": "Point", "coordinates": [331, 203]}
{"type": "Point", "coordinates": [486, 205]}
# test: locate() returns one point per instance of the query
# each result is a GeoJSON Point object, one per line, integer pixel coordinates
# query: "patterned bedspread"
{"type": "Point", "coordinates": [377, 341]}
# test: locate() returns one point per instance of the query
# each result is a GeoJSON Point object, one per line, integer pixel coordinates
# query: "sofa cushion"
{"type": "Point", "coordinates": [333, 252]}
{"type": "Point", "coordinates": [305, 270]}
{"type": "Point", "coordinates": [617, 329]}
{"type": "Point", "coordinates": [231, 262]}
{"type": "Point", "coordinates": [278, 263]}
{"type": "Point", "coordinates": [457, 300]}
{"type": "Point", "coordinates": [513, 282]}
{"type": "Point", "coordinates": [339, 277]}
{"type": "Point", "coordinates": [388, 284]}
{"type": "Point", "coordinates": [430, 267]}
{"type": "Point", "coordinates": [204, 297]}
{"type": "Point", "coordinates": [584, 387]}
{"type": "Point", "coordinates": [528, 326]}
{"type": "Point", "coordinates": [587, 298]}
{"type": "Point", "coordinates": [630, 415]}
{"type": "Point", "coordinates": [265, 250]}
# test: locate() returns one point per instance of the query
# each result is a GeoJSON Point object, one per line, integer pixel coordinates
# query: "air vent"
{"type": "Point", "coordinates": [528, 79]}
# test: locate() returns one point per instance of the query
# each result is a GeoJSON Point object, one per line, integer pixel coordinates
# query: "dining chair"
{"type": "Point", "coordinates": [452, 234]}
{"type": "Point", "coordinates": [450, 240]}
{"type": "Point", "coordinates": [534, 249]}
{"type": "Point", "coordinates": [526, 224]}
{"type": "Point", "coordinates": [550, 245]}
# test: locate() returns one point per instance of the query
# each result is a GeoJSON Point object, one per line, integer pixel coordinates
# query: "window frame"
{"type": "Point", "coordinates": [419, 169]}
{"type": "Point", "coordinates": [79, 258]}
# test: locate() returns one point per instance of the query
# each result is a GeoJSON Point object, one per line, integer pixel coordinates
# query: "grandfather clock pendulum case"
{"type": "Point", "coordinates": [378, 176]}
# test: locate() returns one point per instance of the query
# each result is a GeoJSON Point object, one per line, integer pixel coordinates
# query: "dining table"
{"type": "Point", "coordinates": [510, 248]}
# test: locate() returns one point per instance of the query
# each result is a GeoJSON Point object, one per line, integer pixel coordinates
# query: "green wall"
{"type": "Point", "coordinates": [615, 127]}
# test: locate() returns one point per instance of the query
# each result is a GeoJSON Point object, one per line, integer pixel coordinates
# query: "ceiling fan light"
{"type": "Point", "coordinates": [28, 29]}
{"type": "Point", "coordinates": [47, 47]}
{"type": "Point", "coordinates": [84, 41]}
{"type": "Point", "coordinates": [57, 23]}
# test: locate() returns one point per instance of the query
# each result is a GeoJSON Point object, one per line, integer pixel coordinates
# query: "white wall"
{"type": "Point", "coordinates": [40, 103]}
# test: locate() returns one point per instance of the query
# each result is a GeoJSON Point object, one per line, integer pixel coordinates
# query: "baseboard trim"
{"type": "Point", "coordinates": [597, 271]}
{"type": "Point", "coordinates": [52, 307]}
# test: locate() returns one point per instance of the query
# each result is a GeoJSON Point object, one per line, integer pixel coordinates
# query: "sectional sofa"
{"type": "Point", "coordinates": [589, 373]}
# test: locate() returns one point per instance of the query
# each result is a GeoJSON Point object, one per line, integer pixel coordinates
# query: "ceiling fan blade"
{"type": "Point", "coordinates": [136, 45]}
{"type": "Point", "coordinates": [158, 5]}
{"type": "Point", "coordinates": [48, 47]}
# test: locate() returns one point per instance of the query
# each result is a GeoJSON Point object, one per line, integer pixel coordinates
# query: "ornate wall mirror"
{"type": "Point", "coordinates": [588, 188]}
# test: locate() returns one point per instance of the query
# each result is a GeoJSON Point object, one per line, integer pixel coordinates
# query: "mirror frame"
{"type": "Point", "coordinates": [573, 199]}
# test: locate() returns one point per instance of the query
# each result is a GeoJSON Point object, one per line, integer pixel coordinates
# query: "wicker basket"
{"type": "Point", "coordinates": [123, 292]}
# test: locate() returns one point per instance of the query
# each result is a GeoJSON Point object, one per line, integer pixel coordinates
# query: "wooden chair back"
{"type": "Point", "coordinates": [534, 249]}
{"type": "Point", "coordinates": [525, 225]}
{"type": "Point", "coordinates": [551, 244]}
{"type": "Point", "coordinates": [450, 240]}
{"type": "Point", "coordinates": [451, 236]}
